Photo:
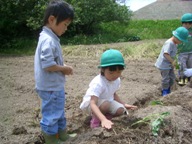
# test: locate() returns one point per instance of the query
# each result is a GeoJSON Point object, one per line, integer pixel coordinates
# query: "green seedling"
{"type": "Point", "coordinates": [154, 120]}
{"type": "Point", "coordinates": [177, 65]}
{"type": "Point", "coordinates": [153, 103]}
{"type": "Point", "coordinates": [158, 122]}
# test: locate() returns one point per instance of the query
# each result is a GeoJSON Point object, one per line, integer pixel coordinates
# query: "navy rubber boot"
{"type": "Point", "coordinates": [169, 90]}
{"type": "Point", "coordinates": [165, 92]}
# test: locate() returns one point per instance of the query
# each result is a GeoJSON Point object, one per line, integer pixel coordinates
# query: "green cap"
{"type": "Point", "coordinates": [111, 57]}
{"type": "Point", "coordinates": [181, 33]}
{"type": "Point", "coordinates": [186, 17]}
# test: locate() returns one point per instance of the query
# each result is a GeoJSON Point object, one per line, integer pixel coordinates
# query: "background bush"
{"type": "Point", "coordinates": [23, 18]}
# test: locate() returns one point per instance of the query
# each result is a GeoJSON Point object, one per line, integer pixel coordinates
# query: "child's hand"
{"type": "Point", "coordinates": [68, 70]}
{"type": "Point", "coordinates": [188, 72]}
{"type": "Point", "coordinates": [106, 124]}
{"type": "Point", "coordinates": [173, 64]}
{"type": "Point", "coordinates": [132, 107]}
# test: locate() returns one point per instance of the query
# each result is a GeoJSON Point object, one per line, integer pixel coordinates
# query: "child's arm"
{"type": "Point", "coordinates": [188, 72]}
{"type": "Point", "coordinates": [168, 57]}
{"type": "Point", "coordinates": [66, 70]}
{"type": "Point", "coordinates": [96, 111]}
{"type": "Point", "coordinates": [127, 106]}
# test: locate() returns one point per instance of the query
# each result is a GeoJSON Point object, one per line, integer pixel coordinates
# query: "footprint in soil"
{"type": "Point", "coordinates": [19, 130]}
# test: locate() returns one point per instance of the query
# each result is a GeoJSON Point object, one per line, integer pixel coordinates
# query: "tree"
{"type": "Point", "coordinates": [24, 17]}
{"type": "Point", "coordinates": [90, 13]}
{"type": "Point", "coordinates": [18, 17]}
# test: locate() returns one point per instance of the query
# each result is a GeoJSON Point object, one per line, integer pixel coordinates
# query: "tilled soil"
{"type": "Point", "coordinates": [20, 114]}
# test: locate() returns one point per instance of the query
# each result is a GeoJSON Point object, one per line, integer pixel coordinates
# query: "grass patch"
{"type": "Point", "coordinates": [19, 46]}
{"type": "Point", "coordinates": [133, 50]}
{"type": "Point", "coordinates": [152, 29]}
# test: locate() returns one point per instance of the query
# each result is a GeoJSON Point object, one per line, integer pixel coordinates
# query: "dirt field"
{"type": "Point", "coordinates": [19, 104]}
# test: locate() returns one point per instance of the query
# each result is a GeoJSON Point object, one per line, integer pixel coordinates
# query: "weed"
{"type": "Point", "coordinates": [153, 103]}
{"type": "Point", "coordinates": [154, 120]}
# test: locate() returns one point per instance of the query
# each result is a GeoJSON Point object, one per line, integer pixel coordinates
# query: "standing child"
{"type": "Point", "coordinates": [101, 99]}
{"type": "Point", "coordinates": [166, 63]}
{"type": "Point", "coordinates": [185, 50]}
{"type": "Point", "coordinates": [50, 71]}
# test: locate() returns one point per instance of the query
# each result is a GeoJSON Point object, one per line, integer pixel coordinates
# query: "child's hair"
{"type": "Point", "coordinates": [190, 22]}
{"type": "Point", "coordinates": [112, 68]}
{"type": "Point", "coordinates": [60, 9]}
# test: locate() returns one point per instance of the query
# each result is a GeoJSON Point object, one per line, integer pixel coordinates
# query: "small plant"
{"type": "Point", "coordinates": [158, 122]}
{"type": "Point", "coordinates": [153, 103]}
{"type": "Point", "coordinates": [177, 65]}
{"type": "Point", "coordinates": [154, 120]}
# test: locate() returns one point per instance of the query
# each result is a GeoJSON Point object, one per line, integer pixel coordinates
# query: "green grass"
{"type": "Point", "coordinates": [153, 29]}
{"type": "Point", "coordinates": [19, 46]}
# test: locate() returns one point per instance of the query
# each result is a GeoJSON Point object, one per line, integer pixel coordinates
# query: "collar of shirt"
{"type": "Point", "coordinates": [51, 33]}
{"type": "Point", "coordinates": [106, 80]}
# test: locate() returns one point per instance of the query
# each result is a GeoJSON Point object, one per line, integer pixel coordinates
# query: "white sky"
{"type": "Point", "coordinates": [134, 5]}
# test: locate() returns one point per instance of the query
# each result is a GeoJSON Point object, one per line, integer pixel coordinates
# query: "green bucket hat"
{"type": "Point", "coordinates": [181, 33]}
{"type": "Point", "coordinates": [111, 57]}
{"type": "Point", "coordinates": [187, 17]}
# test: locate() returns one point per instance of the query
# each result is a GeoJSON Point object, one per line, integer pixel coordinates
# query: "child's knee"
{"type": "Point", "coordinates": [120, 111]}
{"type": "Point", "coordinates": [105, 106]}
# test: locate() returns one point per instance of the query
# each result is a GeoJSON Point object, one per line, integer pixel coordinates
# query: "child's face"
{"type": "Point", "coordinates": [176, 41]}
{"type": "Point", "coordinates": [188, 25]}
{"type": "Point", "coordinates": [112, 75]}
{"type": "Point", "coordinates": [60, 28]}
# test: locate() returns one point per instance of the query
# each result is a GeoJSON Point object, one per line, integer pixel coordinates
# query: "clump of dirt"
{"type": "Point", "coordinates": [20, 113]}
{"type": "Point", "coordinates": [19, 130]}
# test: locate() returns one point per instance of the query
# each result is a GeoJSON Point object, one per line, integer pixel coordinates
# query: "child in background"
{"type": "Point", "coordinates": [166, 63]}
{"type": "Point", "coordinates": [185, 50]}
{"type": "Point", "coordinates": [101, 99]}
{"type": "Point", "coordinates": [188, 73]}
{"type": "Point", "coordinates": [50, 71]}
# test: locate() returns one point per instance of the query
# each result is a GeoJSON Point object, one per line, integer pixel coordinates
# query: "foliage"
{"type": "Point", "coordinates": [134, 30]}
{"type": "Point", "coordinates": [154, 120]}
{"type": "Point", "coordinates": [158, 122]}
{"type": "Point", "coordinates": [90, 13]}
{"type": "Point", "coordinates": [110, 32]}
{"type": "Point", "coordinates": [23, 18]}
{"type": "Point", "coordinates": [34, 20]}
{"type": "Point", "coordinates": [19, 13]}
{"type": "Point", "coordinates": [177, 64]}
{"type": "Point", "coordinates": [16, 17]}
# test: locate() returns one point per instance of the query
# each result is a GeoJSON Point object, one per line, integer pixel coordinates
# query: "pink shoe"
{"type": "Point", "coordinates": [108, 116]}
{"type": "Point", "coordinates": [95, 122]}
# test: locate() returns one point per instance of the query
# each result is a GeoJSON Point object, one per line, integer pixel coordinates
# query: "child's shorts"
{"type": "Point", "coordinates": [114, 106]}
